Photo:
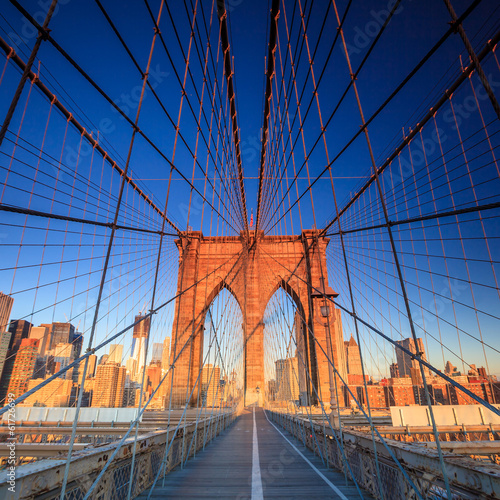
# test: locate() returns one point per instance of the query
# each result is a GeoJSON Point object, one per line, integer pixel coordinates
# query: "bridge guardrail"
{"type": "Point", "coordinates": [43, 479]}
{"type": "Point", "coordinates": [469, 479]}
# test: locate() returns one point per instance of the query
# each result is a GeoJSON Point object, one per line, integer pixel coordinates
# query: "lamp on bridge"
{"type": "Point", "coordinates": [325, 293]}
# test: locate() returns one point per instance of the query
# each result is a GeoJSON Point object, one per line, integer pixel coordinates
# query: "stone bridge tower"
{"type": "Point", "coordinates": [252, 267]}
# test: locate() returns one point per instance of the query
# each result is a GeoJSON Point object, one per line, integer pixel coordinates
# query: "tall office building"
{"type": "Point", "coordinates": [91, 366]}
{"type": "Point", "coordinates": [394, 370]}
{"type": "Point", "coordinates": [6, 303]}
{"type": "Point", "coordinates": [152, 379]}
{"type": "Point", "coordinates": [23, 367]}
{"type": "Point", "coordinates": [139, 337]}
{"type": "Point", "coordinates": [405, 362]}
{"type": "Point", "coordinates": [165, 356]}
{"type": "Point", "coordinates": [131, 366]}
{"type": "Point", "coordinates": [353, 357]}
{"type": "Point", "coordinates": [142, 328]}
{"type": "Point", "coordinates": [63, 355]}
{"type": "Point", "coordinates": [109, 386]}
{"type": "Point", "coordinates": [157, 353]}
{"type": "Point", "coordinates": [115, 354]}
{"type": "Point", "coordinates": [20, 329]}
{"type": "Point", "coordinates": [78, 343]}
{"type": "Point", "coordinates": [4, 348]}
{"type": "Point", "coordinates": [61, 333]}
{"type": "Point", "coordinates": [55, 394]}
{"type": "Point", "coordinates": [287, 379]}
{"type": "Point", "coordinates": [210, 382]}
{"type": "Point", "coordinates": [41, 333]}
{"type": "Point", "coordinates": [40, 367]}
{"type": "Point", "coordinates": [302, 354]}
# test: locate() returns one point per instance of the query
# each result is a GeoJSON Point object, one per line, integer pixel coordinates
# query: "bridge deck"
{"type": "Point", "coordinates": [227, 468]}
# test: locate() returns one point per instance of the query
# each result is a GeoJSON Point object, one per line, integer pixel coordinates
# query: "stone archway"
{"type": "Point", "coordinates": [252, 266]}
{"type": "Point", "coordinates": [303, 340]}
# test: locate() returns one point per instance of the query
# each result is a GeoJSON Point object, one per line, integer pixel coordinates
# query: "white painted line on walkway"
{"type": "Point", "coordinates": [256, 478]}
{"type": "Point", "coordinates": [320, 474]}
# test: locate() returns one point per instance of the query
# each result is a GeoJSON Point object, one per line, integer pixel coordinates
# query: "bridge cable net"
{"type": "Point", "coordinates": [410, 249]}
{"type": "Point", "coordinates": [100, 189]}
{"type": "Point", "coordinates": [124, 210]}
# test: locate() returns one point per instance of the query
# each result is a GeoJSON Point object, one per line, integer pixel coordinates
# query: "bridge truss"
{"type": "Point", "coordinates": [122, 136]}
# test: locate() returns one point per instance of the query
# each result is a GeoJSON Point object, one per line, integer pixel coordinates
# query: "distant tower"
{"type": "Point", "coordinates": [6, 303]}
{"type": "Point", "coordinates": [115, 354]}
{"type": "Point", "coordinates": [109, 386]}
{"type": "Point", "coordinates": [287, 379]}
{"type": "Point", "coordinates": [92, 365]}
{"type": "Point", "coordinates": [139, 343]}
{"type": "Point", "coordinates": [165, 356]}
{"type": "Point", "coordinates": [20, 329]}
{"type": "Point", "coordinates": [78, 343]}
{"type": "Point", "coordinates": [157, 353]}
{"type": "Point", "coordinates": [353, 357]}
{"type": "Point", "coordinates": [41, 333]}
{"type": "Point", "coordinates": [394, 369]}
{"type": "Point", "coordinates": [23, 367]}
{"type": "Point", "coordinates": [4, 348]}
{"type": "Point", "coordinates": [405, 362]}
{"type": "Point", "coordinates": [210, 380]}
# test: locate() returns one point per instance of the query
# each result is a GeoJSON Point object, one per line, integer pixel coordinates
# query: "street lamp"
{"type": "Point", "coordinates": [324, 293]}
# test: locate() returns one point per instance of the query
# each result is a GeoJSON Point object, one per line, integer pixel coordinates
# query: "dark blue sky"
{"type": "Point", "coordinates": [82, 30]}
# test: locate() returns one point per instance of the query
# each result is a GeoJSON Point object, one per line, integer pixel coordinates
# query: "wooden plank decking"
{"type": "Point", "coordinates": [224, 469]}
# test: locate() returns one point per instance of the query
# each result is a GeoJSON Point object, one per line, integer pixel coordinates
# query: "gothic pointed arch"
{"type": "Point", "coordinates": [220, 285]}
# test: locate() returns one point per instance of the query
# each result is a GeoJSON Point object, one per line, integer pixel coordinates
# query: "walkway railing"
{"type": "Point", "coordinates": [43, 479]}
{"type": "Point", "coordinates": [468, 478]}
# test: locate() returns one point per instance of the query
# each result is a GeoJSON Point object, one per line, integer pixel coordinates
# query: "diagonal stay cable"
{"type": "Point", "coordinates": [396, 91]}
{"type": "Point", "coordinates": [115, 106]}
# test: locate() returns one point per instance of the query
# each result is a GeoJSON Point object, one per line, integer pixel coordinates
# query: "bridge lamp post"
{"type": "Point", "coordinates": [325, 293]}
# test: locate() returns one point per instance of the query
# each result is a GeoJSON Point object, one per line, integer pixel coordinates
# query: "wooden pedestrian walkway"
{"type": "Point", "coordinates": [254, 460]}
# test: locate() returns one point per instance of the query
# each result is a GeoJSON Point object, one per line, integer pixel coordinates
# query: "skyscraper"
{"type": "Point", "coordinates": [61, 333]}
{"type": "Point", "coordinates": [210, 380]}
{"type": "Point", "coordinates": [40, 333]}
{"type": "Point", "coordinates": [302, 356]}
{"type": "Point", "coordinates": [287, 379]}
{"type": "Point", "coordinates": [353, 357]}
{"type": "Point", "coordinates": [63, 355]}
{"type": "Point", "coordinates": [152, 379]}
{"type": "Point", "coordinates": [23, 367]}
{"type": "Point", "coordinates": [394, 370]}
{"type": "Point", "coordinates": [165, 356]}
{"type": "Point", "coordinates": [55, 394]}
{"type": "Point", "coordinates": [131, 366]}
{"type": "Point", "coordinates": [20, 330]}
{"type": "Point", "coordinates": [77, 342]}
{"type": "Point", "coordinates": [115, 354]}
{"type": "Point", "coordinates": [139, 343]}
{"type": "Point", "coordinates": [157, 353]}
{"type": "Point", "coordinates": [4, 348]}
{"type": "Point", "coordinates": [405, 362]}
{"type": "Point", "coordinates": [6, 303]}
{"type": "Point", "coordinates": [90, 369]}
{"type": "Point", "coordinates": [109, 386]}
{"type": "Point", "coordinates": [91, 365]}
{"type": "Point", "coordinates": [142, 328]}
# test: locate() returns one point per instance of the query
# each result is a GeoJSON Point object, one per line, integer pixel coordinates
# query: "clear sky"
{"type": "Point", "coordinates": [85, 34]}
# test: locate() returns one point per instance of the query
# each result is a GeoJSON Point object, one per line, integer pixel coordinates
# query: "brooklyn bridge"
{"type": "Point", "coordinates": [249, 249]}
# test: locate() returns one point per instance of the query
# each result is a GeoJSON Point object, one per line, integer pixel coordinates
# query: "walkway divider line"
{"type": "Point", "coordinates": [320, 474]}
{"type": "Point", "coordinates": [256, 477]}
